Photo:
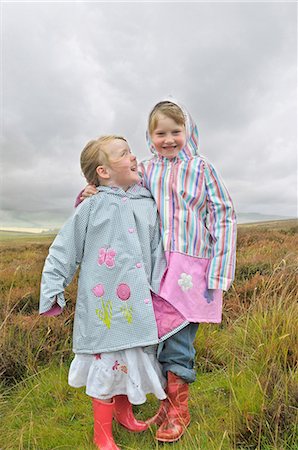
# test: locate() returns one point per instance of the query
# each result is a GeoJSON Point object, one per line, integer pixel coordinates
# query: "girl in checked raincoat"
{"type": "Point", "coordinates": [114, 237]}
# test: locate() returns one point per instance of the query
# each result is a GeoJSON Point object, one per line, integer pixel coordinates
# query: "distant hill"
{"type": "Point", "coordinates": [257, 217]}
{"type": "Point", "coordinates": [27, 230]}
{"type": "Point", "coordinates": [53, 225]}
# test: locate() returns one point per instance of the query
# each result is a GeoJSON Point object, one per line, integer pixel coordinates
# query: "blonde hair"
{"type": "Point", "coordinates": [168, 109]}
{"type": "Point", "coordinates": [95, 154]}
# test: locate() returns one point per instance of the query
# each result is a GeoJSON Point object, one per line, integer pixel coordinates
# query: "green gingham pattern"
{"type": "Point", "coordinates": [127, 223]}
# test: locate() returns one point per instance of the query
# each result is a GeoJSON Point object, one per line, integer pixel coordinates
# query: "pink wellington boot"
{"type": "Point", "coordinates": [161, 414]}
{"type": "Point", "coordinates": [103, 418]}
{"type": "Point", "coordinates": [124, 415]}
{"type": "Point", "coordinates": [178, 417]}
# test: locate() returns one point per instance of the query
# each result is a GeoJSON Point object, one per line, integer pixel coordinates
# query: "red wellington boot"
{"type": "Point", "coordinates": [178, 417]}
{"type": "Point", "coordinates": [103, 418]}
{"type": "Point", "coordinates": [124, 415]}
{"type": "Point", "coordinates": [161, 414]}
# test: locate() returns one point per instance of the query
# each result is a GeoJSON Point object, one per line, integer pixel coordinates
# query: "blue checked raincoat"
{"type": "Point", "coordinates": [115, 239]}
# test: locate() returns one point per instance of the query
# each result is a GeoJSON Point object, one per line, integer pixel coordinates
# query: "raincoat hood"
{"type": "Point", "coordinates": [135, 191]}
{"type": "Point", "coordinates": [191, 147]}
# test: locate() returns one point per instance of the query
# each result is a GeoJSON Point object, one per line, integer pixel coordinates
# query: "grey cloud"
{"type": "Point", "coordinates": [73, 71]}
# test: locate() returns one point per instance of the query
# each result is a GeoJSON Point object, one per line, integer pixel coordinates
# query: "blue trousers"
{"type": "Point", "coordinates": [177, 353]}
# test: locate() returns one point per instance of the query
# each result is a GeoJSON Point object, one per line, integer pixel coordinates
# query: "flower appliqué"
{"type": "Point", "coordinates": [185, 282]}
{"type": "Point", "coordinates": [123, 291]}
{"type": "Point", "coordinates": [98, 290]}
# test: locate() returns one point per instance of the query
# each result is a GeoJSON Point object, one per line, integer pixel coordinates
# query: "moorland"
{"type": "Point", "coordinates": [246, 392]}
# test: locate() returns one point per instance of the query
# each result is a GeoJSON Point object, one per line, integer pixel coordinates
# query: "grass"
{"type": "Point", "coordinates": [246, 392]}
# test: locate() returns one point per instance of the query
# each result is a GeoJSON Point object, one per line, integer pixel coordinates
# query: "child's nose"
{"type": "Point", "coordinates": [132, 157]}
{"type": "Point", "coordinates": [169, 138]}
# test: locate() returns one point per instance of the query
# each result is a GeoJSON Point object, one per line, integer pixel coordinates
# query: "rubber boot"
{"type": "Point", "coordinates": [103, 418]}
{"type": "Point", "coordinates": [161, 414]}
{"type": "Point", "coordinates": [178, 417]}
{"type": "Point", "coordinates": [124, 415]}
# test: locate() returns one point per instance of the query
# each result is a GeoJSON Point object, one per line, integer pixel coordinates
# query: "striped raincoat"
{"type": "Point", "coordinates": [198, 227]}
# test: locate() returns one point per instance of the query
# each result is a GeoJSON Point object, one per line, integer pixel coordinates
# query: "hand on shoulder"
{"type": "Point", "coordinates": [89, 190]}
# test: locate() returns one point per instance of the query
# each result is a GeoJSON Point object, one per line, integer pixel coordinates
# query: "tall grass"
{"type": "Point", "coordinates": [246, 393]}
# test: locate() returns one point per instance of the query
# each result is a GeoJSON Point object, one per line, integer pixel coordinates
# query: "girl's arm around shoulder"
{"type": "Point", "coordinates": [65, 255]}
{"type": "Point", "coordinates": [144, 168]}
{"type": "Point", "coordinates": [141, 169]}
{"type": "Point", "coordinates": [88, 191]}
{"type": "Point", "coordinates": [222, 227]}
{"type": "Point", "coordinates": [158, 259]}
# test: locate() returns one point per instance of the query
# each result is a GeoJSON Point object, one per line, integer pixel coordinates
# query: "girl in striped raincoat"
{"type": "Point", "coordinates": [198, 227]}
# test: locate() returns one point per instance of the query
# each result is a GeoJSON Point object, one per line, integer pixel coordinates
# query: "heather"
{"type": "Point", "coordinates": [246, 392]}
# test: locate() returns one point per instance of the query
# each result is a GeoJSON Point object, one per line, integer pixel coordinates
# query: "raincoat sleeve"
{"type": "Point", "coordinates": [141, 171]}
{"type": "Point", "coordinates": [158, 263]}
{"type": "Point", "coordinates": [65, 255]}
{"type": "Point", "coordinates": [78, 199]}
{"type": "Point", "coordinates": [222, 227]}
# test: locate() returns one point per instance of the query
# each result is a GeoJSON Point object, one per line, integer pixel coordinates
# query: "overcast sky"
{"type": "Point", "coordinates": [72, 71]}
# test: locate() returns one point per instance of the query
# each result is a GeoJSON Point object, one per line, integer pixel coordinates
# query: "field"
{"type": "Point", "coordinates": [246, 393]}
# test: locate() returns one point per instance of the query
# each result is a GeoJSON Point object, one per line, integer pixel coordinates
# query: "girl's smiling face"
{"type": "Point", "coordinates": [168, 137]}
{"type": "Point", "coordinates": [123, 166]}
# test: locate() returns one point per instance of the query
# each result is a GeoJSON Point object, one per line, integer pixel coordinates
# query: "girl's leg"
{"type": "Point", "coordinates": [176, 355]}
{"type": "Point", "coordinates": [103, 418]}
{"type": "Point", "coordinates": [177, 417]}
{"type": "Point", "coordinates": [124, 415]}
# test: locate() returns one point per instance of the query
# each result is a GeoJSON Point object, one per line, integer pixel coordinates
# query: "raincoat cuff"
{"type": "Point", "coordinates": [54, 306]}
{"type": "Point", "coordinates": [219, 283]}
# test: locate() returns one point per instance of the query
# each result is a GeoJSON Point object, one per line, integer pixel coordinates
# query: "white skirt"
{"type": "Point", "coordinates": [134, 372]}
